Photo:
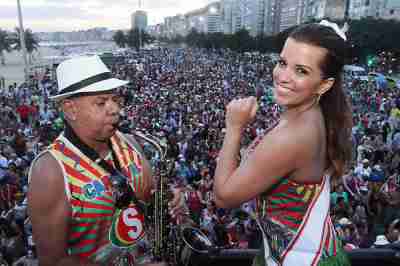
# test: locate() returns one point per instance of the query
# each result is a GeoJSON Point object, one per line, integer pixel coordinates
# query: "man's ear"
{"type": "Point", "coordinates": [69, 109]}
{"type": "Point", "coordinates": [326, 85]}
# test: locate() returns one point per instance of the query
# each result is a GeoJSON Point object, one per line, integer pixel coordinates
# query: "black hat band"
{"type": "Point", "coordinates": [86, 82]}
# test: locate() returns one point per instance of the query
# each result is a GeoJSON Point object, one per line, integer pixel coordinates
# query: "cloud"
{"type": "Point", "coordinates": [54, 15]}
{"type": "Point", "coordinates": [33, 13]}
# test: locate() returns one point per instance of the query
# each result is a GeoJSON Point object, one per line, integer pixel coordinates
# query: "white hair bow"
{"type": "Point", "coordinates": [339, 31]}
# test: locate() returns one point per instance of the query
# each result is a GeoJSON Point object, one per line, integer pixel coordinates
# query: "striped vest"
{"type": "Point", "coordinates": [99, 231]}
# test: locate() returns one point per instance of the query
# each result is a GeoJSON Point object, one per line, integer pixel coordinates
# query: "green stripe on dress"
{"type": "Point", "coordinates": [83, 237]}
{"type": "Point", "coordinates": [84, 249]}
{"type": "Point", "coordinates": [80, 229]}
{"type": "Point", "coordinates": [97, 219]}
{"type": "Point", "coordinates": [341, 259]}
{"type": "Point", "coordinates": [96, 211]}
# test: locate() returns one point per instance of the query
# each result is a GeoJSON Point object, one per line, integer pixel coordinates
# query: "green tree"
{"type": "Point", "coordinates": [371, 36]}
{"type": "Point", "coordinates": [31, 43]}
{"type": "Point", "coordinates": [216, 40]}
{"type": "Point", "coordinates": [120, 39]}
{"type": "Point", "coordinates": [134, 40]}
{"type": "Point", "coordinates": [5, 45]}
{"type": "Point", "coordinates": [265, 44]}
{"type": "Point", "coordinates": [241, 41]}
{"type": "Point", "coordinates": [178, 39]}
{"type": "Point", "coordinates": [193, 38]}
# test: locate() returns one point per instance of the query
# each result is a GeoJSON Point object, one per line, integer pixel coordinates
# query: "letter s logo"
{"type": "Point", "coordinates": [127, 227]}
{"type": "Point", "coordinates": [129, 218]}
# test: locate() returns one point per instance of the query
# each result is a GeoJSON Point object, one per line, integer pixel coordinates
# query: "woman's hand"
{"type": "Point", "coordinates": [240, 112]}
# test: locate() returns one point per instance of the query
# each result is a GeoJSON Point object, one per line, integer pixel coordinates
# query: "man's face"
{"type": "Point", "coordinates": [98, 115]}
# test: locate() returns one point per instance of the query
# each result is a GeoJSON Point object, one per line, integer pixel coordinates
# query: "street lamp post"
{"type": "Point", "coordinates": [22, 40]}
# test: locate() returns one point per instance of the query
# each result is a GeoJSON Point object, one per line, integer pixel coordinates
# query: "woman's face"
{"type": "Point", "coordinates": [297, 75]}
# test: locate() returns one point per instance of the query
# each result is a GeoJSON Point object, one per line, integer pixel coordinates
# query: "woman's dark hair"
{"type": "Point", "coordinates": [334, 103]}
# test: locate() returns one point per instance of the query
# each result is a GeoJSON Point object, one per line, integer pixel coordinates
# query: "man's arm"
{"type": "Point", "coordinates": [49, 212]}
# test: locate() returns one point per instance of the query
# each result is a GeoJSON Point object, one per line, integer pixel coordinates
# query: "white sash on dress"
{"type": "Point", "coordinates": [305, 248]}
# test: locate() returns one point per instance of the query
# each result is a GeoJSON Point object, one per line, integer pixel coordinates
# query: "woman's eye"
{"type": "Point", "coordinates": [301, 71]}
{"type": "Point", "coordinates": [101, 103]}
{"type": "Point", "coordinates": [281, 62]}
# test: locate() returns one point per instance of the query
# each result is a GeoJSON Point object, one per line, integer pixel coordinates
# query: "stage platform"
{"type": "Point", "coordinates": [385, 256]}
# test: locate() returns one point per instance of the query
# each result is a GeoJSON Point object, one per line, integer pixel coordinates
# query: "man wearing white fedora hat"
{"type": "Point", "coordinates": [86, 189]}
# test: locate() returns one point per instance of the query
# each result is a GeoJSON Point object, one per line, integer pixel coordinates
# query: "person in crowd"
{"type": "Point", "coordinates": [339, 193]}
{"type": "Point", "coordinates": [293, 164]}
{"type": "Point", "coordinates": [3, 164]}
{"type": "Point", "coordinates": [391, 235]}
{"type": "Point", "coordinates": [363, 170]}
{"type": "Point", "coordinates": [96, 178]}
{"type": "Point", "coordinates": [364, 150]}
{"type": "Point", "coordinates": [24, 112]}
{"type": "Point", "coordinates": [29, 259]}
{"type": "Point", "coordinates": [195, 202]}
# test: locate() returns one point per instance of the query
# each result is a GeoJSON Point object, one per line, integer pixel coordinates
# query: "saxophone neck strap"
{"type": "Point", "coordinates": [95, 157]}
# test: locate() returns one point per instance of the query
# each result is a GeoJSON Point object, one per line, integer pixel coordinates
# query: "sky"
{"type": "Point", "coordinates": [72, 15]}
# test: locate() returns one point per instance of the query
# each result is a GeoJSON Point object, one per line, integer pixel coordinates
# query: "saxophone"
{"type": "Point", "coordinates": [163, 233]}
{"type": "Point", "coordinates": [174, 244]}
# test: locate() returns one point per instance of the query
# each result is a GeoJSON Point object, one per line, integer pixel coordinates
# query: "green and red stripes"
{"type": "Point", "coordinates": [287, 202]}
{"type": "Point", "coordinates": [130, 162]}
{"type": "Point", "coordinates": [93, 209]}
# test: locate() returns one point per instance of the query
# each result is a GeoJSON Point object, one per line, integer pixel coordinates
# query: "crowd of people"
{"type": "Point", "coordinates": [180, 96]}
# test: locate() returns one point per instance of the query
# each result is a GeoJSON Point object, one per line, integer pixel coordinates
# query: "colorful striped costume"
{"type": "Point", "coordinates": [296, 226]}
{"type": "Point", "coordinates": [98, 230]}
{"type": "Point", "coordinates": [283, 213]}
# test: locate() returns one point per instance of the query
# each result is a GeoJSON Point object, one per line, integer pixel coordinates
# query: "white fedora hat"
{"type": "Point", "coordinates": [84, 74]}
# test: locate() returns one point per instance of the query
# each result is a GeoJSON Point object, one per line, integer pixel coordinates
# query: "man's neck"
{"type": "Point", "coordinates": [100, 146]}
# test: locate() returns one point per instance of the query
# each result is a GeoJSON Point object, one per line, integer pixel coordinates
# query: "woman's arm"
{"type": "Point", "coordinates": [277, 155]}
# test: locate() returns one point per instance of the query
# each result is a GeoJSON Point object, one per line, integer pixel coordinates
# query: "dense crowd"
{"type": "Point", "coordinates": [179, 96]}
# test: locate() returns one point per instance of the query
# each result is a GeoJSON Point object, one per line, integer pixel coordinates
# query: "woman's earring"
{"type": "Point", "coordinates": [319, 97]}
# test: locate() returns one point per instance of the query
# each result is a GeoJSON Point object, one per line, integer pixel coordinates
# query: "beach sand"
{"type": "Point", "coordinates": [13, 71]}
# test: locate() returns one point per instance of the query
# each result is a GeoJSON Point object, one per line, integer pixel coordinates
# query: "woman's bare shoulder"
{"type": "Point", "coordinates": [303, 131]}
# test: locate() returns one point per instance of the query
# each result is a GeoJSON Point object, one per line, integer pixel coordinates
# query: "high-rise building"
{"type": "Point", "coordinates": [391, 9]}
{"type": "Point", "coordinates": [246, 14]}
{"type": "Point", "coordinates": [214, 17]}
{"type": "Point", "coordinates": [208, 19]}
{"type": "Point", "coordinates": [365, 8]}
{"type": "Point", "coordinates": [226, 16]}
{"type": "Point", "coordinates": [272, 16]}
{"type": "Point", "coordinates": [291, 13]}
{"type": "Point", "coordinates": [139, 20]}
{"type": "Point", "coordinates": [332, 9]}
{"type": "Point", "coordinates": [175, 26]}
{"type": "Point", "coordinates": [387, 9]}
{"type": "Point", "coordinates": [243, 15]}
{"type": "Point", "coordinates": [258, 17]}
{"type": "Point", "coordinates": [335, 9]}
